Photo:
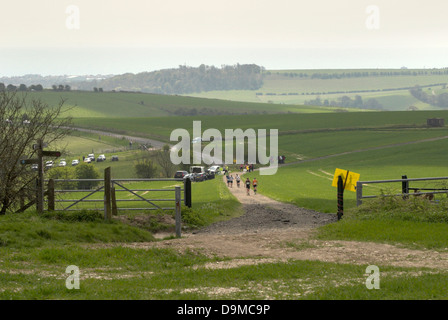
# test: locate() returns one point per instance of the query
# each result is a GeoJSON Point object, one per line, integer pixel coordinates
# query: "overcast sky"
{"type": "Point", "coordinates": [111, 37]}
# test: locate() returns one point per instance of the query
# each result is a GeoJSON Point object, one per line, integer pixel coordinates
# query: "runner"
{"type": "Point", "coordinates": [228, 180]}
{"type": "Point", "coordinates": [248, 186]}
{"type": "Point", "coordinates": [231, 181]}
{"type": "Point", "coordinates": [255, 183]}
{"type": "Point", "coordinates": [238, 180]}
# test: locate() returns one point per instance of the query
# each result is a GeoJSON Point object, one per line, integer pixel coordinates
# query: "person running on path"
{"type": "Point", "coordinates": [228, 180]}
{"type": "Point", "coordinates": [238, 180]}
{"type": "Point", "coordinates": [231, 181]}
{"type": "Point", "coordinates": [255, 183]}
{"type": "Point", "coordinates": [248, 186]}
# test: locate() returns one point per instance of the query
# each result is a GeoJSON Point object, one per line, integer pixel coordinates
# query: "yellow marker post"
{"type": "Point", "coordinates": [349, 178]}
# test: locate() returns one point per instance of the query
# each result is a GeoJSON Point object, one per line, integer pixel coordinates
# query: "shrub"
{"type": "Point", "coordinates": [86, 171]}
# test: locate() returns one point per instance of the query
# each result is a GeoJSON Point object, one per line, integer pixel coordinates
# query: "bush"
{"type": "Point", "coordinates": [86, 171]}
{"type": "Point", "coordinates": [417, 209]}
{"type": "Point", "coordinates": [145, 168]}
{"type": "Point", "coordinates": [64, 173]}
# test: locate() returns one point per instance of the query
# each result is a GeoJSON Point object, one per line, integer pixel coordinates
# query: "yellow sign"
{"type": "Point", "coordinates": [348, 178]}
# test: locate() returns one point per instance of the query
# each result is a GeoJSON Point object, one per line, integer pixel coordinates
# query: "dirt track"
{"type": "Point", "coordinates": [273, 231]}
{"type": "Point", "coordinates": [277, 231]}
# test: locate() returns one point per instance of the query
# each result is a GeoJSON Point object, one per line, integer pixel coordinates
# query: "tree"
{"type": "Point", "coordinates": [164, 161]}
{"type": "Point", "coordinates": [145, 168]}
{"type": "Point", "coordinates": [65, 173]}
{"type": "Point", "coordinates": [16, 143]}
{"type": "Point", "coordinates": [86, 171]}
{"type": "Point", "coordinates": [23, 87]}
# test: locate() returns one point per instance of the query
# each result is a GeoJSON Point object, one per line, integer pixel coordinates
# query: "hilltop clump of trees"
{"type": "Point", "coordinates": [185, 79]}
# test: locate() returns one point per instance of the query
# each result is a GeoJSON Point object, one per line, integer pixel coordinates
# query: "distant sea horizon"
{"type": "Point", "coordinates": [120, 60]}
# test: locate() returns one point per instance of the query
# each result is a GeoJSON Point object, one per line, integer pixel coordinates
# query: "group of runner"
{"type": "Point", "coordinates": [248, 183]}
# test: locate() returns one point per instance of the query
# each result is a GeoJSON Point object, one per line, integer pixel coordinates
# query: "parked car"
{"type": "Point", "coordinates": [197, 169]}
{"type": "Point", "coordinates": [200, 177]}
{"type": "Point", "coordinates": [62, 163]}
{"type": "Point", "coordinates": [210, 175]}
{"type": "Point", "coordinates": [91, 156]}
{"type": "Point", "coordinates": [75, 162]}
{"type": "Point", "coordinates": [87, 160]}
{"type": "Point", "coordinates": [34, 167]}
{"type": "Point", "coordinates": [180, 174]}
{"type": "Point", "coordinates": [215, 169]}
{"type": "Point", "coordinates": [114, 158]}
{"type": "Point", "coordinates": [101, 158]}
{"type": "Point", "coordinates": [49, 164]}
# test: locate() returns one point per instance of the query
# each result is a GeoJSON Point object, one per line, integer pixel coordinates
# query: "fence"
{"type": "Point", "coordinates": [110, 202]}
{"type": "Point", "coordinates": [405, 188]}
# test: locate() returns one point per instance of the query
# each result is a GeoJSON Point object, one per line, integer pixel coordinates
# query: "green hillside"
{"type": "Point", "coordinates": [161, 128]}
{"type": "Point", "coordinates": [86, 104]}
{"type": "Point", "coordinates": [389, 87]}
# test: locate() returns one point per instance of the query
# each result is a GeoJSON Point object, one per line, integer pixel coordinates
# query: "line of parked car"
{"type": "Point", "coordinates": [62, 163]}
{"type": "Point", "coordinates": [198, 174]}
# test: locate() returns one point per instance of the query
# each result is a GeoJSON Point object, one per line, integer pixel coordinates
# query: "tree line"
{"type": "Point", "coordinates": [185, 79]}
{"type": "Point", "coordinates": [360, 74]}
{"type": "Point", "coordinates": [21, 87]}
{"type": "Point", "coordinates": [438, 100]}
{"type": "Point", "coordinates": [347, 102]}
{"type": "Point", "coordinates": [33, 87]}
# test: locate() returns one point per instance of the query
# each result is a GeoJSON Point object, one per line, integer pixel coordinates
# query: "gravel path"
{"type": "Point", "coordinates": [263, 213]}
{"type": "Point", "coordinates": [278, 231]}
{"type": "Point", "coordinates": [273, 231]}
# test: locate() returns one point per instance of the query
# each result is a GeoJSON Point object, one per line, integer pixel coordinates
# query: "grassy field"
{"type": "Point", "coordinates": [280, 87]}
{"type": "Point", "coordinates": [161, 128]}
{"type": "Point", "coordinates": [35, 250]}
{"type": "Point", "coordinates": [123, 105]}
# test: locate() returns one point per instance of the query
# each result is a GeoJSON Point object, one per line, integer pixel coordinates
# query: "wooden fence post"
{"type": "Point", "coordinates": [50, 196]}
{"type": "Point", "coordinates": [107, 194]}
{"type": "Point", "coordinates": [178, 212]}
{"type": "Point", "coordinates": [405, 187]}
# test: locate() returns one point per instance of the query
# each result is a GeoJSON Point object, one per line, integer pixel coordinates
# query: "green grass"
{"type": "Point", "coordinates": [35, 250]}
{"type": "Point", "coordinates": [309, 89]}
{"type": "Point", "coordinates": [161, 128]}
{"type": "Point", "coordinates": [135, 274]}
{"type": "Point", "coordinates": [309, 184]}
{"type": "Point", "coordinates": [30, 230]}
{"type": "Point", "coordinates": [84, 104]}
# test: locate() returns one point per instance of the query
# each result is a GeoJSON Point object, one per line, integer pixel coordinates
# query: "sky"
{"type": "Point", "coordinates": [55, 37]}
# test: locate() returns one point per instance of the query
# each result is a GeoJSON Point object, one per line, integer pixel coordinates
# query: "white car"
{"type": "Point", "coordinates": [214, 169]}
{"type": "Point", "coordinates": [75, 162]}
{"type": "Point", "coordinates": [101, 157]}
{"type": "Point", "coordinates": [48, 164]}
{"type": "Point", "coordinates": [62, 163]}
{"type": "Point", "coordinates": [87, 160]}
